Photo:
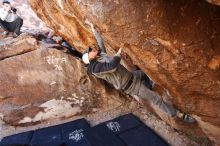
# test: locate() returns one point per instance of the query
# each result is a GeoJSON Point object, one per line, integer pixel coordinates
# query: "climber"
{"type": "Point", "coordinates": [9, 20]}
{"type": "Point", "coordinates": [134, 83]}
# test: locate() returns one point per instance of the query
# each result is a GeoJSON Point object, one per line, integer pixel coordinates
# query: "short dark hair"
{"type": "Point", "coordinates": [5, 2]}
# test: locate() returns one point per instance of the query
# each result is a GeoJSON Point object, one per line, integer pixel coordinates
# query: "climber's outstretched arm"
{"type": "Point", "coordinates": [98, 37]}
{"type": "Point", "coordinates": [99, 41]}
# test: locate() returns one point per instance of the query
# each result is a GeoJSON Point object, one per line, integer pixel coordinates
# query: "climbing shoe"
{"type": "Point", "coordinates": [185, 117]}
{"type": "Point", "coordinates": [15, 35]}
{"type": "Point", "coordinates": [188, 119]}
{"type": "Point", "coordinates": [5, 33]}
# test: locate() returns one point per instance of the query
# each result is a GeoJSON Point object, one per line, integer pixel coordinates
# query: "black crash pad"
{"type": "Point", "coordinates": [122, 123]}
{"type": "Point", "coordinates": [125, 130]}
{"type": "Point", "coordinates": [50, 136]}
{"type": "Point", "coordinates": [73, 133]}
{"type": "Point", "coordinates": [105, 134]}
{"type": "Point", "coordinates": [142, 136]}
{"type": "Point", "coordinates": [132, 131]}
{"type": "Point", "coordinates": [102, 136]}
{"type": "Point", "coordinates": [58, 135]}
{"type": "Point", "coordinates": [22, 139]}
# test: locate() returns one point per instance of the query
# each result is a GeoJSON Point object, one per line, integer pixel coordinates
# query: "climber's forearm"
{"type": "Point", "coordinates": [99, 40]}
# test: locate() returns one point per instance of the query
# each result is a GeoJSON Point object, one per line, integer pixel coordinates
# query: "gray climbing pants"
{"type": "Point", "coordinates": [139, 88]}
{"type": "Point", "coordinates": [14, 26]}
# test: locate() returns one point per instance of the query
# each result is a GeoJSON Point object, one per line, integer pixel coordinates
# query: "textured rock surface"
{"type": "Point", "coordinates": [12, 47]}
{"type": "Point", "coordinates": [216, 2]}
{"type": "Point", "coordinates": [42, 84]}
{"type": "Point", "coordinates": [175, 42]}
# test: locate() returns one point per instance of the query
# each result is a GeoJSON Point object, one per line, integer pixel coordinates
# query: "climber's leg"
{"type": "Point", "coordinates": [99, 41]}
{"type": "Point", "coordinates": [155, 99]}
{"type": "Point", "coordinates": [4, 25]}
{"type": "Point", "coordinates": [17, 25]}
{"type": "Point", "coordinates": [98, 37]}
{"type": "Point", "coordinates": [146, 80]}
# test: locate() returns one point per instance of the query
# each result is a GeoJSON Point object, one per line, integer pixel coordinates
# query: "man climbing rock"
{"type": "Point", "coordinates": [9, 20]}
{"type": "Point", "coordinates": [134, 83]}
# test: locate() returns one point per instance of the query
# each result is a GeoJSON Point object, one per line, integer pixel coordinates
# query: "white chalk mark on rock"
{"type": "Point", "coordinates": [77, 100]}
{"type": "Point", "coordinates": [26, 120]}
{"type": "Point", "coordinates": [60, 4]}
{"type": "Point", "coordinates": [56, 62]}
{"type": "Point", "coordinates": [53, 109]}
{"type": "Point", "coordinates": [1, 116]}
{"type": "Point", "coordinates": [53, 83]}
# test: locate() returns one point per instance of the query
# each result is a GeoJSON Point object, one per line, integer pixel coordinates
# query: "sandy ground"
{"type": "Point", "coordinates": [169, 134]}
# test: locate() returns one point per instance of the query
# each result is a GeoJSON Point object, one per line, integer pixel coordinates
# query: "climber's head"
{"type": "Point", "coordinates": [6, 5]}
{"type": "Point", "coordinates": [90, 54]}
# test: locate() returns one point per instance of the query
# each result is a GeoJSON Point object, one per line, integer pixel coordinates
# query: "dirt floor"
{"type": "Point", "coordinates": [173, 137]}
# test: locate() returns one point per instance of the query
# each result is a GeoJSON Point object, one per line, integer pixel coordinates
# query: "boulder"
{"type": "Point", "coordinates": [175, 42]}
{"type": "Point", "coordinates": [39, 83]}
{"type": "Point", "coordinates": [12, 47]}
{"type": "Point", "coordinates": [216, 2]}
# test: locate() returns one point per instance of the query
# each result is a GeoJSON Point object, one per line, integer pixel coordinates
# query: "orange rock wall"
{"type": "Point", "coordinates": [175, 42]}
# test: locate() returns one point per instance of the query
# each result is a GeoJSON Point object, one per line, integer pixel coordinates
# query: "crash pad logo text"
{"type": "Point", "coordinates": [113, 126]}
{"type": "Point", "coordinates": [76, 135]}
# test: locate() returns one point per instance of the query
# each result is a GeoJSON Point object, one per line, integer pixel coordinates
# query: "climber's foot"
{"type": "Point", "coordinates": [5, 34]}
{"type": "Point", "coordinates": [186, 118]}
{"type": "Point", "coordinates": [15, 35]}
